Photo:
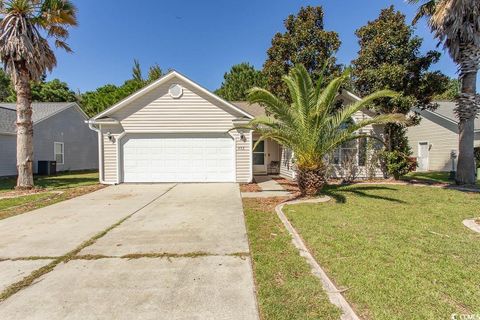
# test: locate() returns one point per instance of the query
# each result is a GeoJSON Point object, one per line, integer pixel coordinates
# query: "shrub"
{"type": "Point", "coordinates": [477, 156]}
{"type": "Point", "coordinates": [398, 164]}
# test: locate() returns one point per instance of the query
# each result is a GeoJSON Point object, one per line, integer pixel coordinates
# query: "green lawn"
{"type": "Point", "coordinates": [286, 287]}
{"type": "Point", "coordinates": [433, 176]}
{"type": "Point", "coordinates": [60, 181]}
{"type": "Point", "coordinates": [401, 250]}
{"type": "Point", "coordinates": [71, 184]}
{"type": "Point", "coordinates": [14, 202]}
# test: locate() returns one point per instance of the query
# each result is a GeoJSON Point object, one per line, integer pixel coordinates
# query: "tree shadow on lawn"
{"type": "Point", "coordinates": [336, 192]}
{"type": "Point", "coordinates": [59, 181]}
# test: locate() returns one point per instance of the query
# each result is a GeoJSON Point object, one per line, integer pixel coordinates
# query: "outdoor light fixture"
{"type": "Point", "coordinates": [110, 137]}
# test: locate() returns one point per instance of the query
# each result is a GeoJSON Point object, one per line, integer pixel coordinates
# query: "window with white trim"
{"type": "Point", "coordinates": [346, 151]}
{"type": "Point", "coordinates": [59, 152]}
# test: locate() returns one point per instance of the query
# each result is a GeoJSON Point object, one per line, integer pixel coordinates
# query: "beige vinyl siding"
{"type": "Point", "coordinates": [158, 112]}
{"type": "Point", "coordinates": [244, 157]}
{"type": "Point", "coordinates": [442, 142]}
{"type": "Point", "coordinates": [110, 152]}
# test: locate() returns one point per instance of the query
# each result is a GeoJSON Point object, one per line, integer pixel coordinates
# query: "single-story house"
{"type": "Point", "coordinates": [59, 134]}
{"type": "Point", "coordinates": [435, 140]}
{"type": "Point", "coordinates": [174, 130]}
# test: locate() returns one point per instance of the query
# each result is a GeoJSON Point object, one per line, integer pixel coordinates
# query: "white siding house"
{"type": "Point", "coordinates": [173, 131]}
{"type": "Point", "coordinates": [436, 137]}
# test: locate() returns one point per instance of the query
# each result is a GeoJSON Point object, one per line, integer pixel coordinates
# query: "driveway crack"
{"type": "Point", "coordinates": [30, 279]}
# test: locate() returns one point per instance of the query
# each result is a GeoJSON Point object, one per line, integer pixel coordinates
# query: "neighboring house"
{"type": "Point", "coordinates": [435, 139]}
{"type": "Point", "coordinates": [174, 130]}
{"type": "Point", "coordinates": [59, 133]}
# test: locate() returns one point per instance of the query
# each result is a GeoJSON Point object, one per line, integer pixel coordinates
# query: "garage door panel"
{"type": "Point", "coordinates": [187, 158]}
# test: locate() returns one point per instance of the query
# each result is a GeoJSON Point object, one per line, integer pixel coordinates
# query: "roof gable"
{"type": "Point", "coordinates": [165, 79]}
{"type": "Point", "coordinates": [444, 116]}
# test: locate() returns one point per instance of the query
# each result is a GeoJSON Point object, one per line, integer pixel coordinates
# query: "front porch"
{"type": "Point", "coordinates": [266, 157]}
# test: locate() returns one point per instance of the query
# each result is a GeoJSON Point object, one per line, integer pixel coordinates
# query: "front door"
{"type": "Point", "coordinates": [423, 156]}
{"type": "Point", "coordinates": [259, 165]}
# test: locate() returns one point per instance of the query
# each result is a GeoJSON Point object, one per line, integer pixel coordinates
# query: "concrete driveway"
{"type": "Point", "coordinates": [160, 251]}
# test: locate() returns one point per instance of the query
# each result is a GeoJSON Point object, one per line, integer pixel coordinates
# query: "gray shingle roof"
{"type": "Point", "coordinates": [7, 120]}
{"type": "Point", "coordinates": [253, 109]}
{"type": "Point", "coordinates": [41, 110]}
{"type": "Point", "coordinates": [445, 109]}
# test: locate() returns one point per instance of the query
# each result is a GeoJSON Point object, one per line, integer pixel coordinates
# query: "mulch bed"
{"type": "Point", "coordinates": [250, 187]}
{"type": "Point", "coordinates": [288, 185]}
{"type": "Point", "coordinates": [20, 193]}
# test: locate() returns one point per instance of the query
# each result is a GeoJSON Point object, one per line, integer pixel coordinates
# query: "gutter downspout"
{"type": "Point", "coordinates": [119, 161]}
{"type": "Point", "coordinates": [91, 124]}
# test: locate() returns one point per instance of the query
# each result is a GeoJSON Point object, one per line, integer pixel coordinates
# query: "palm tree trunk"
{"type": "Point", "coordinates": [310, 181]}
{"type": "Point", "coordinates": [467, 110]}
{"type": "Point", "coordinates": [24, 130]}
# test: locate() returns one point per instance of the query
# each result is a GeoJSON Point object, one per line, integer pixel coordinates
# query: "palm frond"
{"type": "Point", "coordinates": [309, 125]}
{"type": "Point", "coordinates": [425, 10]}
{"type": "Point", "coordinates": [346, 113]}
{"type": "Point", "coordinates": [326, 99]}
{"type": "Point", "coordinates": [273, 105]}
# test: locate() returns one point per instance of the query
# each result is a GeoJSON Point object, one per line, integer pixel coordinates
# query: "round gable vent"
{"type": "Point", "coordinates": [175, 91]}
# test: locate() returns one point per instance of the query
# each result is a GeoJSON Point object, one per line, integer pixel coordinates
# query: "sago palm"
{"type": "Point", "coordinates": [311, 126]}
{"type": "Point", "coordinates": [456, 24]}
{"type": "Point", "coordinates": [26, 55]}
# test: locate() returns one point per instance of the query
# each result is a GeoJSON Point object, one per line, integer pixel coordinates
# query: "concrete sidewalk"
{"type": "Point", "coordinates": [270, 189]}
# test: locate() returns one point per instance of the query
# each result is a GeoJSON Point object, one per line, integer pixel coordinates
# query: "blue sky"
{"type": "Point", "coordinates": [201, 39]}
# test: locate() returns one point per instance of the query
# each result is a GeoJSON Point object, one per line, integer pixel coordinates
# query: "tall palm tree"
{"type": "Point", "coordinates": [311, 126]}
{"type": "Point", "coordinates": [26, 54]}
{"type": "Point", "coordinates": [456, 24]}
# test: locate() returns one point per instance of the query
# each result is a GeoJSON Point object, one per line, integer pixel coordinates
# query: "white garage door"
{"type": "Point", "coordinates": [178, 158]}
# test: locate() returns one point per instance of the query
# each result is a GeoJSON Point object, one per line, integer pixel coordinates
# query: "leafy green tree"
{"type": "Point", "coordinates": [53, 91]}
{"type": "Point", "coordinates": [25, 28]}
{"type": "Point", "coordinates": [451, 93]}
{"type": "Point", "coordinates": [47, 91]}
{"type": "Point", "coordinates": [241, 78]}
{"type": "Point", "coordinates": [455, 23]}
{"type": "Point", "coordinates": [154, 73]}
{"type": "Point", "coordinates": [5, 86]}
{"type": "Point", "coordinates": [306, 42]}
{"type": "Point", "coordinates": [390, 58]}
{"type": "Point", "coordinates": [96, 101]}
{"type": "Point", "coordinates": [137, 71]}
{"type": "Point", "coordinates": [311, 126]}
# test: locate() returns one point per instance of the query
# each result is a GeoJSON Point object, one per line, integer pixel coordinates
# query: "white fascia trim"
{"type": "Point", "coordinates": [351, 95]}
{"type": "Point", "coordinates": [101, 121]}
{"type": "Point", "coordinates": [117, 141]}
{"type": "Point", "coordinates": [159, 82]}
{"type": "Point", "coordinates": [8, 133]}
